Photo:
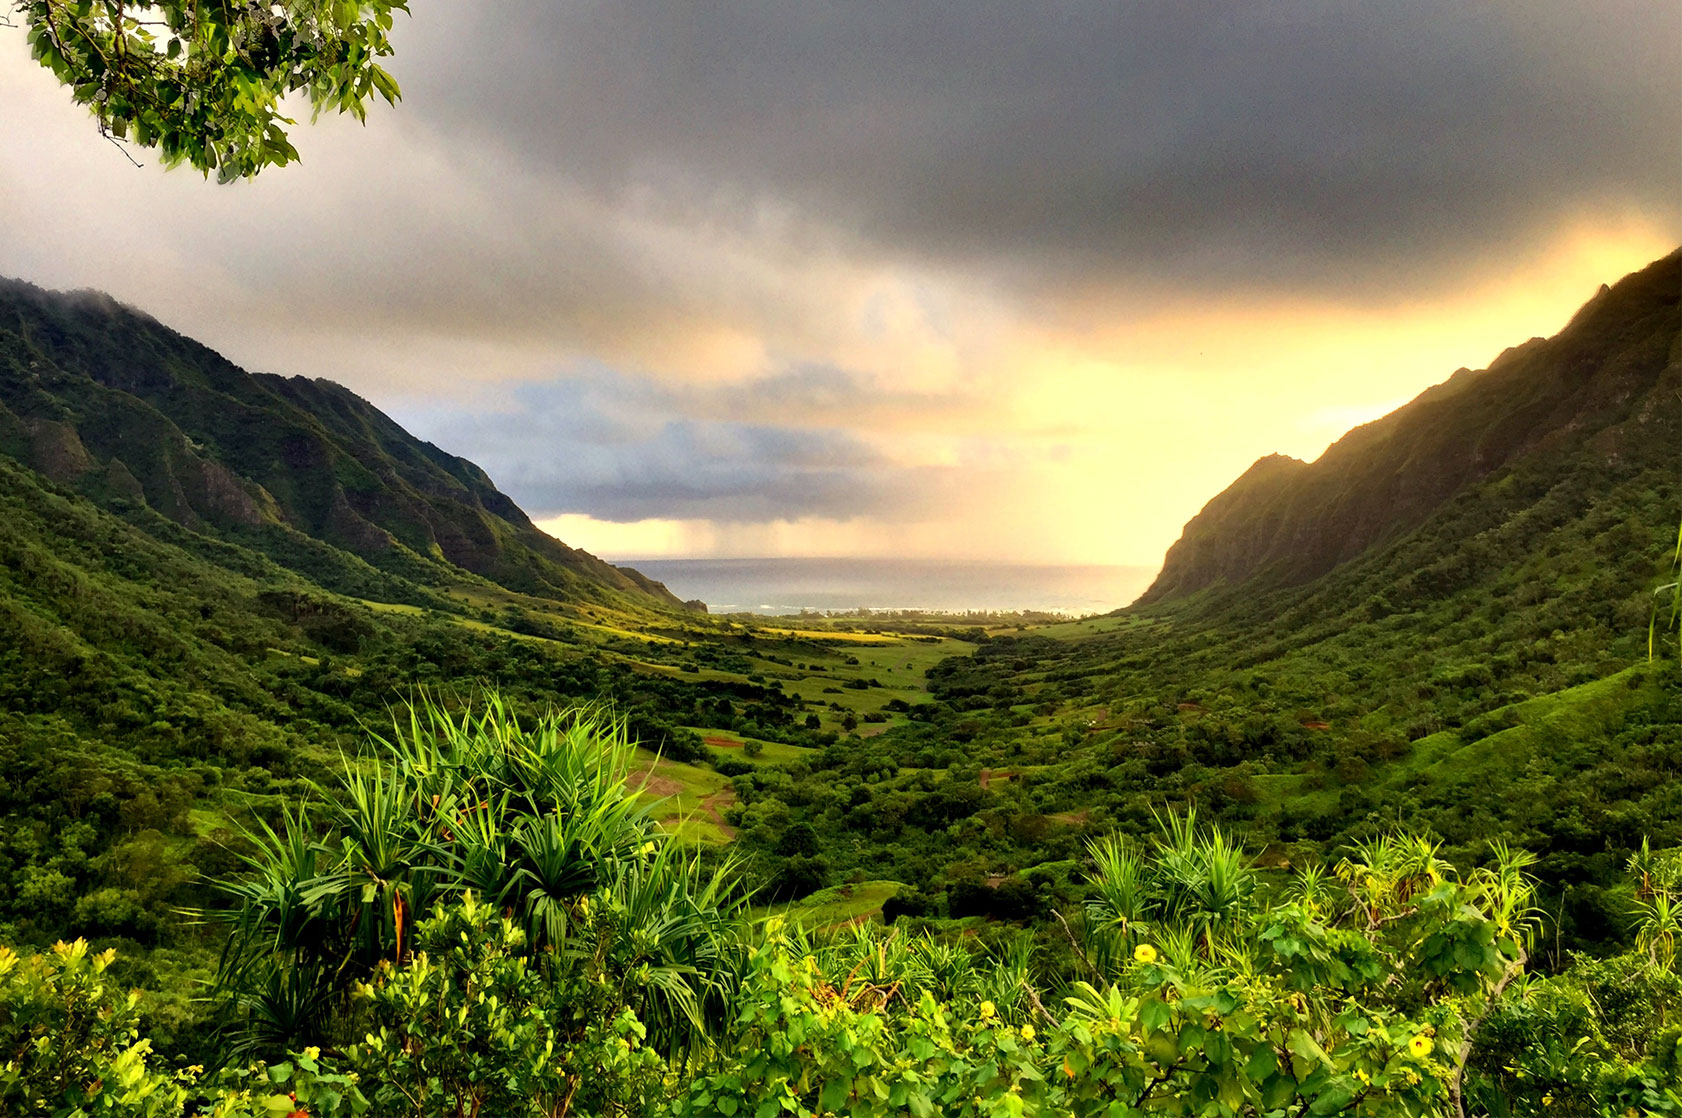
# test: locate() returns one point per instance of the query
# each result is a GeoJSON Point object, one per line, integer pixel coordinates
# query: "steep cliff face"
{"type": "Point", "coordinates": [98, 396]}
{"type": "Point", "coordinates": [1607, 381]}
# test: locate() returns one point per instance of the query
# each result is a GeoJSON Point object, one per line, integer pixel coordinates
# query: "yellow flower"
{"type": "Point", "coordinates": [312, 1052]}
{"type": "Point", "coordinates": [1547, 1100]}
{"type": "Point", "coordinates": [987, 1010]}
{"type": "Point", "coordinates": [1027, 1032]}
{"type": "Point", "coordinates": [1144, 953]}
{"type": "Point", "coordinates": [1420, 1046]}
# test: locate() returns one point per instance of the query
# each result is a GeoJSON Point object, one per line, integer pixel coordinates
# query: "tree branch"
{"type": "Point", "coordinates": [1033, 996]}
{"type": "Point", "coordinates": [1514, 969]}
{"type": "Point", "coordinates": [1074, 944]}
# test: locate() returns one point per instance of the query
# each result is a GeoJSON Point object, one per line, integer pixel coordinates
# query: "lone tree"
{"type": "Point", "coordinates": [202, 80]}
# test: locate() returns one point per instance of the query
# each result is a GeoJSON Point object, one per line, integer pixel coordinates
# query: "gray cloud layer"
{"type": "Point", "coordinates": [1233, 142]}
{"type": "Point", "coordinates": [732, 252]}
{"type": "Point", "coordinates": [618, 446]}
{"type": "Point", "coordinates": [1079, 143]}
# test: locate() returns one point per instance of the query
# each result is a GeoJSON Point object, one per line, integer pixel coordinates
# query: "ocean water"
{"type": "Point", "coordinates": [780, 586]}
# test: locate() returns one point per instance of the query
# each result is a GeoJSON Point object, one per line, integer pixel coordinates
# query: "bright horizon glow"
{"type": "Point", "coordinates": [658, 538]}
{"type": "Point", "coordinates": [1183, 419]}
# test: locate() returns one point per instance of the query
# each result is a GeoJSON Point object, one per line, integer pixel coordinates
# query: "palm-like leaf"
{"type": "Point", "coordinates": [537, 818]}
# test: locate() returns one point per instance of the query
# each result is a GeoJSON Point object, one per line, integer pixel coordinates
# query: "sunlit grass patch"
{"type": "Point", "coordinates": [728, 743]}
{"type": "Point", "coordinates": [838, 905]}
{"type": "Point", "coordinates": [392, 607]}
{"type": "Point", "coordinates": [687, 799]}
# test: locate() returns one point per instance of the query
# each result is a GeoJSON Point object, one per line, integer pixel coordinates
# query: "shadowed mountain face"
{"type": "Point", "coordinates": [1601, 394]}
{"type": "Point", "coordinates": [107, 400]}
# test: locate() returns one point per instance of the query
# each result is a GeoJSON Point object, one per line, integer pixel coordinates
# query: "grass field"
{"type": "Point", "coordinates": [837, 906]}
{"type": "Point", "coordinates": [1548, 724]}
{"type": "Point", "coordinates": [839, 635]}
{"type": "Point", "coordinates": [899, 664]}
{"type": "Point", "coordinates": [728, 743]}
{"type": "Point", "coordinates": [392, 607]}
{"type": "Point", "coordinates": [1542, 729]}
{"type": "Point", "coordinates": [811, 660]}
{"type": "Point", "coordinates": [689, 800]}
{"type": "Point", "coordinates": [1064, 630]}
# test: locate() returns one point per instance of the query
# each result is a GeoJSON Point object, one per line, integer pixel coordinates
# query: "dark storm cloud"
{"type": "Point", "coordinates": [619, 446]}
{"type": "Point", "coordinates": [1220, 142]}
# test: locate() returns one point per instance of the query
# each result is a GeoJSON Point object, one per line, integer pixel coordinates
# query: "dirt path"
{"type": "Point", "coordinates": [661, 786]}
{"type": "Point", "coordinates": [714, 806]}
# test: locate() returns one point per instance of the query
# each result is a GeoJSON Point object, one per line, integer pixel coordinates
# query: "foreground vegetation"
{"type": "Point", "coordinates": [576, 960]}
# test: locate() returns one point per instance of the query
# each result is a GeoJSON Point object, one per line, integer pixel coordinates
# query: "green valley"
{"type": "Point", "coordinates": [1379, 676]}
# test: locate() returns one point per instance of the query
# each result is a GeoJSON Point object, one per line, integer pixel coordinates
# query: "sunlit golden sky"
{"type": "Point", "coordinates": [915, 280]}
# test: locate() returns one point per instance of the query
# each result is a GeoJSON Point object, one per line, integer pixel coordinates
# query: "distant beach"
{"type": "Point", "coordinates": [783, 586]}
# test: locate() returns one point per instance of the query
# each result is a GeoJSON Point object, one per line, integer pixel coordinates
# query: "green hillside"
{"type": "Point", "coordinates": [162, 688]}
{"type": "Point", "coordinates": [103, 398]}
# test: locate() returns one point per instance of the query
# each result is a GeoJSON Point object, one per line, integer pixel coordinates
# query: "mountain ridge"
{"type": "Point", "coordinates": [1285, 522]}
{"type": "Point", "coordinates": [107, 398]}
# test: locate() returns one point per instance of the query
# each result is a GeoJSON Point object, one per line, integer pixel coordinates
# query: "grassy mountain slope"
{"type": "Point", "coordinates": [161, 686]}
{"type": "Point", "coordinates": [95, 394]}
{"type": "Point", "coordinates": [1601, 382]}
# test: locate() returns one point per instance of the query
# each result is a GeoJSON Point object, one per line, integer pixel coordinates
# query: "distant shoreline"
{"type": "Point", "coordinates": [790, 586]}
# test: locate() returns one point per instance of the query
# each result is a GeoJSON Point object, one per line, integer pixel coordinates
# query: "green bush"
{"type": "Point", "coordinates": [69, 1043]}
{"type": "Point", "coordinates": [473, 1023]}
{"type": "Point", "coordinates": [70, 1047]}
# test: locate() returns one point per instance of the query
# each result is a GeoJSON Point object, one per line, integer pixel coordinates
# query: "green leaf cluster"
{"type": "Point", "coordinates": [474, 1024]}
{"type": "Point", "coordinates": [204, 83]}
{"type": "Point", "coordinates": [69, 1040]}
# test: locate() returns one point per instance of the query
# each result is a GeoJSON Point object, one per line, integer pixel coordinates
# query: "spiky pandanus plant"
{"type": "Point", "coordinates": [1190, 892]}
{"type": "Point", "coordinates": [1658, 903]}
{"type": "Point", "coordinates": [871, 968]}
{"type": "Point", "coordinates": [539, 819]}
